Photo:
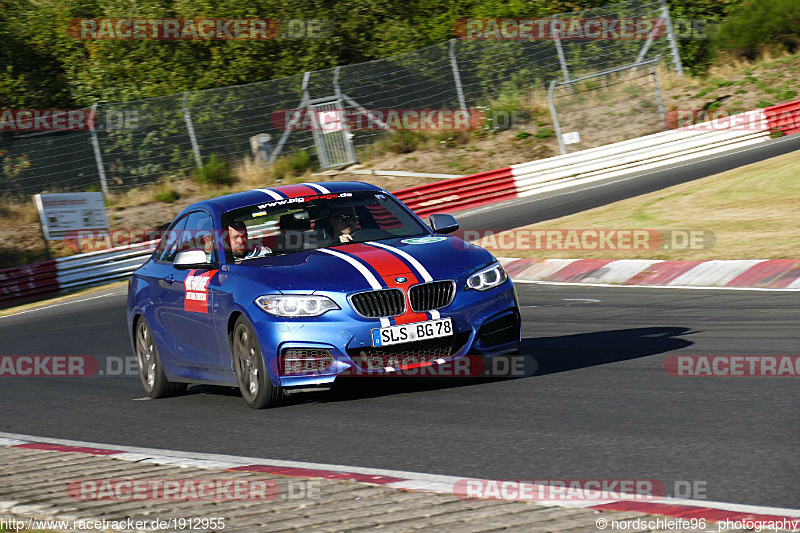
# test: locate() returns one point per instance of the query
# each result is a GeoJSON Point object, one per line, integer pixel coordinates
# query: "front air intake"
{"type": "Point", "coordinates": [377, 304]}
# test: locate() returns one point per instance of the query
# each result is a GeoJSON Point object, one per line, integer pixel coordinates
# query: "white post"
{"type": "Point", "coordinates": [456, 75]}
{"type": "Point", "coordinates": [673, 43]}
{"type": "Point", "coordinates": [560, 51]}
{"type": "Point", "coordinates": [554, 114]}
{"type": "Point", "coordinates": [98, 155]}
{"type": "Point", "coordinates": [190, 127]}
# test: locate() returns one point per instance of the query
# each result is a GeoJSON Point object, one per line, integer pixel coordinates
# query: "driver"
{"type": "Point", "coordinates": [237, 232]}
{"type": "Point", "coordinates": [343, 221]}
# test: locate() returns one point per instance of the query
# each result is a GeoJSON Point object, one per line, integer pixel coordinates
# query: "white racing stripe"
{"type": "Point", "coordinates": [421, 270]}
{"type": "Point", "coordinates": [371, 279]}
{"type": "Point", "coordinates": [275, 195]}
{"type": "Point", "coordinates": [320, 188]}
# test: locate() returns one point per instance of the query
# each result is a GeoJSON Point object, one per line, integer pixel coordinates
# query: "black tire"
{"type": "Point", "coordinates": [151, 372]}
{"type": "Point", "coordinates": [248, 365]}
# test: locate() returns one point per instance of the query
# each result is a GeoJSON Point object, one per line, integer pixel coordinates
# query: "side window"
{"type": "Point", "coordinates": [198, 234]}
{"type": "Point", "coordinates": [168, 246]}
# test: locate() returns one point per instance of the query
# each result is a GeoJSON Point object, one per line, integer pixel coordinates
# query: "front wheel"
{"type": "Point", "coordinates": [151, 372]}
{"type": "Point", "coordinates": [248, 364]}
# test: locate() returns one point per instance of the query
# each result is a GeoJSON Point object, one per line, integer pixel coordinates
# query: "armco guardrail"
{"type": "Point", "coordinates": [104, 265]}
{"type": "Point", "coordinates": [21, 284]}
{"type": "Point", "coordinates": [460, 193]}
{"type": "Point", "coordinates": [784, 117]}
{"type": "Point", "coordinates": [602, 162]}
{"type": "Point", "coordinates": [652, 151]}
{"type": "Point", "coordinates": [26, 282]}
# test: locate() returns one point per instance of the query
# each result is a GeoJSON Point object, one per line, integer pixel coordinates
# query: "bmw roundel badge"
{"type": "Point", "coordinates": [400, 280]}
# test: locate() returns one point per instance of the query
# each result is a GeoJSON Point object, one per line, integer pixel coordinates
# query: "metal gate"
{"type": "Point", "coordinates": [332, 136]}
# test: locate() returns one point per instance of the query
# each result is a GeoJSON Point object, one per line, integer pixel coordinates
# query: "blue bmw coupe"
{"type": "Point", "coordinates": [283, 290]}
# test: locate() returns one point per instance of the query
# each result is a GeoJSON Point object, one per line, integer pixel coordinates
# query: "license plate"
{"type": "Point", "coordinates": [412, 332]}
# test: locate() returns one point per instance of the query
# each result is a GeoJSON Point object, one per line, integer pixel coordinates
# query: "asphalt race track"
{"type": "Point", "coordinates": [600, 404]}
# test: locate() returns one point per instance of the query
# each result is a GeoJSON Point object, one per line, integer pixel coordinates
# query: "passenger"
{"type": "Point", "coordinates": [343, 221]}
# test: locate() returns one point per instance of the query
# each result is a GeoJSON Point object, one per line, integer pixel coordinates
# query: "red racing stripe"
{"type": "Point", "coordinates": [388, 267]}
{"type": "Point", "coordinates": [296, 191]}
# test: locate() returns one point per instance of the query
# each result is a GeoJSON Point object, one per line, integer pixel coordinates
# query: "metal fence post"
{"type": "Point", "coordinates": [348, 142]}
{"type": "Point", "coordinates": [293, 121]}
{"type": "Point", "coordinates": [98, 156]}
{"type": "Point", "coordinates": [456, 75]}
{"type": "Point", "coordinates": [561, 59]}
{"type": "Point", "coordinates": [659, 99]}
{"type": "Point", "coordinates": [554, 114]}
{"type": "Point", "coordinates": [673, 43]}
{"type": "Point", "coordinates": [649, 42]}
{"type": "Point", "coordinates": [190, 127]}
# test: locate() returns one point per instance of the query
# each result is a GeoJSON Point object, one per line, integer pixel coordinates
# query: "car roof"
{"type": "Point", "coordinates": [241, 199]}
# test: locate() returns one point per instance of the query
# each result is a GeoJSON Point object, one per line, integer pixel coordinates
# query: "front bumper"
{"type": "Point", "coordinates": [485, 324]}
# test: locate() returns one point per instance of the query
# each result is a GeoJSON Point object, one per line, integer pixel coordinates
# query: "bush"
{"type": "Point", "coordinates": [754, 24]}
{"type": "Point", "coordinates": [522, 135]}
{"type": "Point", "coordinates": [299, 162]}
{"type": "Point", "coordinates": [451, 139]}
{"type": "Point", "coordinates": [214, 172]}
{"type": "Point", "coordinates": [404, 141]}
{"type": "Point", "coordinates": [544, 133]}
{"type": "Point", "coordinates": [167, 196]}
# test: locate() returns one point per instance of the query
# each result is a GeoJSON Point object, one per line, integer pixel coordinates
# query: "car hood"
{"type": "Point", "coordinates": [353, 267]}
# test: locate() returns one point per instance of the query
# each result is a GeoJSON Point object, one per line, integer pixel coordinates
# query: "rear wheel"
{"type": "Point", "coordinates": [151, 372]}
{"type": "Point", "coordinates": [248, 364]}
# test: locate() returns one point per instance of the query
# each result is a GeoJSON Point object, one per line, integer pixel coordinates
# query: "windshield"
{"type": "Point", "coordinates": [296, 224]}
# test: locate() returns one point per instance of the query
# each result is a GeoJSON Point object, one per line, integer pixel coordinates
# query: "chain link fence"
{"type": "Point", "coordinates": [607, 107]}
{"type": "Point", "coordinates": [140, 142]}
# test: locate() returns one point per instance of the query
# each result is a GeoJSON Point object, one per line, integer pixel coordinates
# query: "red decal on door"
{"type": "Point", "coordinates": [195, 298]}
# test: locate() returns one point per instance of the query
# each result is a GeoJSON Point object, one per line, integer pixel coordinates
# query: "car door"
{"type": "Point", "coordinates": [187, 307]}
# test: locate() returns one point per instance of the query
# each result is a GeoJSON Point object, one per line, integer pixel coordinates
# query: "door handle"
{"type": "Point", "coordinates": [169, 279]}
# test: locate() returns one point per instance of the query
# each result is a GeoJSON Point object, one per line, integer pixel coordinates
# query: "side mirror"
{"type": "Point", "coordinates": [443, 223]}
{"type": "Point", "coordinates": [192, 259]}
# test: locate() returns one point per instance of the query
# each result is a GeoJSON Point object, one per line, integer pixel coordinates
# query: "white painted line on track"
{"type": "Point", "coordinates": [59, 304]}
{"type": "Point", "coordinates": [578, 284]}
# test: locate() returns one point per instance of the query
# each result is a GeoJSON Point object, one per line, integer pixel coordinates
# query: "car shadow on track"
{"type": "Point", "coordinates": [538, 357]}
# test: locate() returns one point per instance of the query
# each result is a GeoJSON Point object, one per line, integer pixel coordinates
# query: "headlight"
{"type": "Point", "coordinates": [488, 278]}
{"type": "Point", "coordinates": [296, 305]}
